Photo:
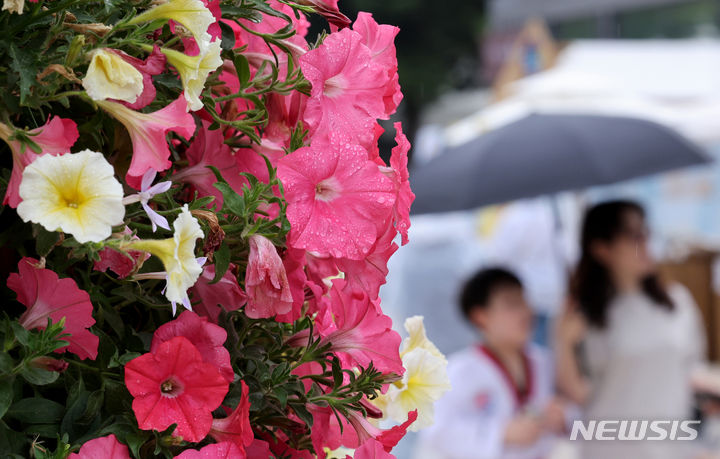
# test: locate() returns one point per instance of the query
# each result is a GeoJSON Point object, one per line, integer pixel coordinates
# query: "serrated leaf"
{"type": "Point", "coordinates": [222, 262]}
{"type": "Point", "coordinates": [25, 65]}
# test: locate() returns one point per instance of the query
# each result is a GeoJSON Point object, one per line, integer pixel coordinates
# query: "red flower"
{"type": "Point", "coordinates": [105, 447]}
{"type": "Point", "coordinates": [46, 295]}
{"type": "Point", "coordinates": [208, 338]}
{"type": "Point", "coordinates": [121, 263]}
{"type": "Point", "coordinates": [224, 450]}
{"type": "Point", "coordinates": [174, 385]}
{"type": "Point", "coordinates": [236, 427]}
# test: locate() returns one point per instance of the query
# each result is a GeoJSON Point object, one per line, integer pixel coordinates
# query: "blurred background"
{"type": "Point", "coordinates": [470, 70]}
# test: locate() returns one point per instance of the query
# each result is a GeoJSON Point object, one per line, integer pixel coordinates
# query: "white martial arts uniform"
{"type": "Point", "coordinates": [470, 419]}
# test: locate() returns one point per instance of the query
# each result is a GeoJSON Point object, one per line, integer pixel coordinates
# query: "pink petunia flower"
{"type": "Point", "coordinates": [355, 431]}
{"type": "Point", "coordinates": [380, 39]}
{"type": "Point", "coordinates": [107, 447]}
{"type": "Point", "coordinates": [209, 149]}
{"type": "Point", "coordinates": [266, 281]}
{"type": "Point", "coordinates": [257, 49]}
{"type": "Point", "coordinates": [358, 331]}
{"type": "Point", "coordinates": [371, 273]}
{"type": "Point", "coordinates": [147, 132]}
{"type": "Point", "coordinates": [208, 338]}
{"type": "Point", "coordinates": [236, 427]}
{"type": "Point", "coordinates": [348, 89]}
{"type": "Point", "coordinates": [365, 275]}
{"type": "Point", "coordinates": [338, 200]}
{"type": "Point", "coordinates": [174, 385]}
{"type": "Point", "coordinates": [226, 293]}
{"type": "Point", "coordinates": [224, 450]}
{"type": "Point", "coordinates": [294, 263]}
{"type": "Point", "coordinates": [54, 138]}
{"type": "Point", "coordinates": [371, 449]}
{"type": "Point", "coordinates": [398, 172]}
{"type": "Point", "coordinates": [45, 295]}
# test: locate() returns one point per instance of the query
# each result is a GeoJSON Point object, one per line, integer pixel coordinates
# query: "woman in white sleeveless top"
{"type": "Point", "coordinates": [627, 344]}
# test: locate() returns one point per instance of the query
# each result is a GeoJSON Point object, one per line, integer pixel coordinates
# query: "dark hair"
{"type": "Point", "coordinates": [591, 286]}
{"type": "Point", "coordinates": [478, 289]}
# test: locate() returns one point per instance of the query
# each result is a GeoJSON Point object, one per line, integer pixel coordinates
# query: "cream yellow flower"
{"type": "Point", "coordinates": [424, 381]}
{"type": "Point", "coordinates": [109, 76]}
{"type": "Point", "coordinates": [76, 193]}
{"type": "Point", "coordinates": [14, 6]}
{"type": "Point", "coordinates": [417, 338]}
{"type": "Point", "coordinates": [177, 254]}
{"type": "Point", "coordinates": [192, 14]}
{"type": "Point", "coordinates": [194, 71]}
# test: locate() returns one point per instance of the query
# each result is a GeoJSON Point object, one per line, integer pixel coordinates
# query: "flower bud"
{"type": "Point", "coordinates": [49, 364]}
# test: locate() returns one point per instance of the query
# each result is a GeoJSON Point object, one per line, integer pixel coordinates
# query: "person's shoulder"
{"type": "Point", "coordinates": [680, 295]}
{"type": "Point", "coordinates": [466, 360]}
{"type": "Point", "coordinates": [539, 354]}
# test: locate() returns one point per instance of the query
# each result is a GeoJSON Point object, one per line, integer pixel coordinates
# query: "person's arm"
{"type": "Point", "coordinates": [569, 379]}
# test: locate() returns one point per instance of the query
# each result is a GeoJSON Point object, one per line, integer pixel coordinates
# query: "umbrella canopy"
{"type": "Point", "coordinates": [672, 82]}
{"type": "Point", "coordinates": [543, 154]}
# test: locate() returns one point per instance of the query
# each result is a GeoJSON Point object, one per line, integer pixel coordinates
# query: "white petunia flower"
{"type": "Point", "coordinates": [177, 254]}
{"type": "Point", "coordinates": [192, 14]}
{"type": "Point", "coordinates": [109, 76]}
{"type": "Point", "coordinates": [194, 71]}
{"type": "Point", "coordinates": [76, 193]}
{"type": "Point", "coordinates": [424, 382]}
{"type": "Point", "coordinates": [14, 6]}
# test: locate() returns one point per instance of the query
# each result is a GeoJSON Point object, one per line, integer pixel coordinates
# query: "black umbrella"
{"type": "Point", "coordinates": [543, 154]}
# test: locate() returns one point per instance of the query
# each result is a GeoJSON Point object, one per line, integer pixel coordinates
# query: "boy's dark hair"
{"type": "Point", "coordinates": [478, 289]}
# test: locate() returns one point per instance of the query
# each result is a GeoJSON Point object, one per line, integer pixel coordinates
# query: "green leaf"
{"type": "Point", "coordinates": [36, 410]}
{"type": "Point", "coordinates": [242, 68]}
{"type": "Point", "coordinates": [24, 64]}
{"type": "Point", "coordinates": [38, 376]}
{"type": "Point", "coordinates": [227, 40]}
{"type": "Point", "coordinates": [6, 394]}
{"type": "Point", "coordinates": [222, 262]}
{"type": "Point", "coordinates": [6, 363]}
{"type": "Point", "coordinates": [44, 240]}
{"type": "Point", "coordinates": [22, 335]}
{"type": "Point", "coordinates": [233, 202]}
{"type": "Point", "coordinates": [303, 413]}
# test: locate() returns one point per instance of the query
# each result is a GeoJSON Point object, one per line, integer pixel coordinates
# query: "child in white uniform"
{"type": "Point", "coordinates": [501, 403]}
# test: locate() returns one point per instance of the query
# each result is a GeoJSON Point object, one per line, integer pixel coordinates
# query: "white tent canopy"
{"type": "Point", "coordinates": [673, 82]}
